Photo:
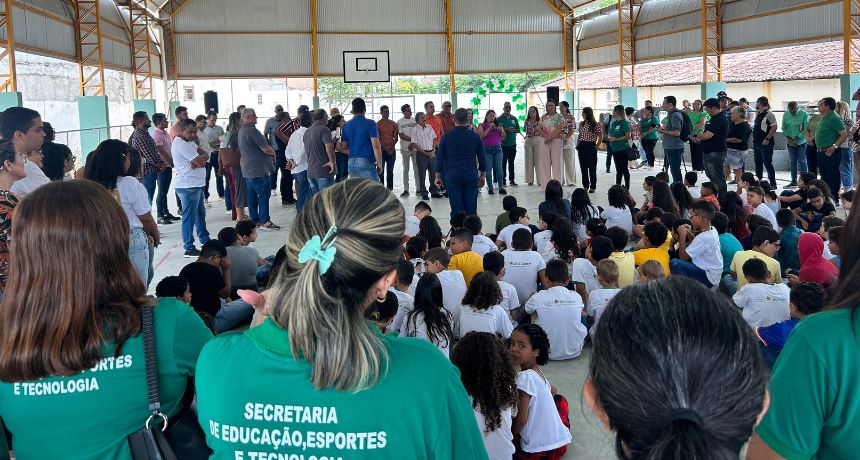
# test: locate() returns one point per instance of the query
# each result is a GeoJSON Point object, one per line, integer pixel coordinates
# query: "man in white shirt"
{"type": "Point", "coordinates": [24, 127]}
{"type": "Point", "coordinates": [559, 313]}
{"type": "Point", "coordinates": [213, 133]}
{"type": "Point", "coordinates": [405, 126]}
{"type": "Point", "coordinates": [423, 137]}
{"type": "Point", "coordinates": [297, 159]}
{"type": "Point", "coordinates": [190, 164]}
{"type": "Point", "coordinates": [452, 281]}
{"type": "Point", "coordinates": [702, 259]}
{"type": "Point", "coordinates": [763, 303]}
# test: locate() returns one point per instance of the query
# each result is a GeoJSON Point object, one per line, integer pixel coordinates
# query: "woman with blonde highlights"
{"type": "Point", "coordinates": [316, 360]}
{"type": "Point", "coordinates": [71, 351]}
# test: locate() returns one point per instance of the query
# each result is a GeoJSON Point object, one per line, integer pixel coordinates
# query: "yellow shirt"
{"type": "Point", "coordinates": [626, 267]}
{"type": "Point", "coordinates": [469, 263]}
{"type": "Point", "coordinates": [659, 254]}
{"type": "Point", "coordinates": [665, 247]}
{"type": "Point", "coordinates": [742, 256]}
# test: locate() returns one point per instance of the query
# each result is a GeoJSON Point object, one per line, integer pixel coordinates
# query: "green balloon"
{"type": "Point", "coordinates": [501, 82]}
{"type": "Point", "coordinates": [521, 106]}
{"type": "Point", "coordinates": [489, 85]}
{"type": "Point", "coordinates": [481, 91]}
{"type": "Point", "coordinates": [476, 101]}
{"type": "Point", "coordinates": [521, 118]}
{"type": "Point", "coordinates": [517, 97]}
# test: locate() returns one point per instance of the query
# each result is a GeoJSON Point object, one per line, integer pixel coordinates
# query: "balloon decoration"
{"type": "Point", "coordinates": [499, 86]}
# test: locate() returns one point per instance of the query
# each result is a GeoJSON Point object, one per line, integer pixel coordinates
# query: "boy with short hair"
{"type": "Point", "coordinates": [519, 220]}
{"type": "Point", "coordinates": [584, 269]}
{"type": "Point", "coordinates": [625, 260]}
{"type": "Point", "coordinates": [811, 214]}
{"type": "Point", "coordinates": [690, 180]}
{"type": "Point", "coordinates": [652, 215]}
{"type": "Point", "coordinates": [804, 299]}
{"type": "Point", "coordinates": [701, 259]}
{"type": "Point", "coordinates": [788, 255]}
{"type": "Point", "coordinates": [174, 286]}
{"type": "Point", "coordinates": [653, 240]}
{"type": "Point", "coordinates": [763, 303]}
{"type": "Point", "coordinates": [558, 311]}
{"type": "Point", "coordinates": [755, 198]}
{"type": "Point", "coordinates": [494, 262]}
{"type": "Point", "coordinates": [464, 259]}
{"type": "Point", "coordinates": [523, 266]}
{"type": "Point", "coordinates": [452, 281]}
{"type": "Point", "coordinates": [651, 270]}
{"type": "Point", "coordinates": [754, 221]}
{"type": "Point", "coordinates": [480, 243]}
{"type": "Point", "coordinates": [509, 202]}
{"type": "Point", "coordinates": [824, 232]}
{"type": "Point", "coordinates": [422, 210]}
{"type": "Point", "coordinates": [765, 245]}
{"type": "Point", "coordinates": [598, 299]}
{"type": "Point", "coordinates": [833, 236]}
{"type": "Point", "coordinates": [400, 288]}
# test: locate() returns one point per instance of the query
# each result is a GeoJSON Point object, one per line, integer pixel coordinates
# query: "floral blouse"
{"type": "Point", "coordinates": [532, 128]}
{"type": "Point", "coordinates": [8, 202]}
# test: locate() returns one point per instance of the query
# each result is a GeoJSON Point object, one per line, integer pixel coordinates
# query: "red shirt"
{"type": "Point", "coordinates": [435, 122]}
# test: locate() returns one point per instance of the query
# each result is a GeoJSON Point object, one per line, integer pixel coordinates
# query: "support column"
{"type": "Point", "coordinates": [848, 84]}
{"type": "Point", "coordinates": [628, 96]}
{"type": "Point", "coordinates": [145, 105]}
{"type": "Point", "coordinates": [570, 97]}
{"type": "Point", "coordinates": [453, 98]}
{"type": "Point", "coordinates": [94, 119]}
{"type": "Point", "coordinates": [10, 99]}
{"type": "Point", "coordinates": [316, 103]}
{"type": "Point", "coordinates": [172, 105]}
{"type": "Point", "coordinates": [711, 88]}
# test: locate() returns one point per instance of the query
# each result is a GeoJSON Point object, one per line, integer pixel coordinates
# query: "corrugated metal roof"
{"type": "Point", "coordinates": [413, 54]}
{"type": "Point", "coordinates": [243, 55]}
{"type": "Point", "coordinates": [519, 16]}
{"type": "Point", "coordinates": [532, 52]}
{"type": "Point", "coordinates": [397, 16]}
{"type": "Point", "coordinates": [679, 44]}
{"type": "Point", "coordinates": [248, 16]}
{"type": "Point", "coordinates": [605, 55]}
{"type": "Point", "coordinates": [116, 27]}
{"type": "Point", "coordinates": [792, 27]}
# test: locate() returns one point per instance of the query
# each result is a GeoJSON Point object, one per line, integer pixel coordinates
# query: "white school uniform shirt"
{"type": "Point", "coordinates": [494, 320]}
{"type": "Point", "coordinates": [417, 328]}
{"type": "Point", "coordinates": [482, 245]}
{"type": "Point", "coordinates": [559, 313]}
{"type": "Point", "coordinates": [598, 299]}
{"type": "Point", "coordinates": [580, 229]}
{"type": "Point", "coordinates": [583, 271]}
{"type": "Point", "coordinates": [510, 299]}
{"type": "Point", "coordinates": [133, 198]}
{"type": "Point", "coordinates": [705, 253]}
{"type": "Point", "coordinates": [544, 430]}
{"type": "Point", "coordinates": [405, 304]}
{"type": "Point", "coordinates": [764, 211]}
{"type": "Point", "coordinates": [508, 232]}
{"type": "Point", "coordinates": [296, 150]}
{"type": "Point", "coordinates": [415, 278]}
{"type": "Point", "coordinates": [826, 252]}
{"type": "Point", "coordinates": [695, 191]}
{"type": "Point", "coordinates": [453, 291]}
{"type": "Point", "coordinates": [618, 217]}
{"type": "Point", "coordinates": [521, 270]}
{"type": "Point", "coordinates": [541, 240]}
{"type": "Point", "coordinates": [499, 442]}
{"type": "Point", "coordinates": [763, 304]}
{"type": "Point", "coordinates": [412, 223]}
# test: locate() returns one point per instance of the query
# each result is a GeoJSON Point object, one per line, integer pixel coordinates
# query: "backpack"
{"type": "Point", "coordinates": [686, 126]}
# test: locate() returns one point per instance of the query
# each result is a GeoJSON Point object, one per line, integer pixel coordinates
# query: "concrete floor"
{"type": "Point", "coordinates": [590, 441]}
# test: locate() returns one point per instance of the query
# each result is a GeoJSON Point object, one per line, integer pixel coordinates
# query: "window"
{"type": "Point", "coordinates": [189, 93]}
{"type": "Point", "coordinates": [259, 98]}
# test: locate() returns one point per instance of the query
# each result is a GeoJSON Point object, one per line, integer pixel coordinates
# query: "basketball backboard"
{"type": "Point", "coordinates": [366, 66]}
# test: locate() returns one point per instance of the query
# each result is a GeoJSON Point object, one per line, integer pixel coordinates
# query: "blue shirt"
{"type": "Point", "coordinates": [729, 245]}
{"type": "Point", "coordinates": [358, 132]}
{"type": "Point", "coordinates": [775, 335]}
{"type": "Point", "coordinates": [460, 156]}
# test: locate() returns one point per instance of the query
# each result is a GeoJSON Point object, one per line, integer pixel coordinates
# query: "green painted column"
{"type": "Point", "coordinates": [94, 122]}
{"type": "Point", "coordinates": [848, 83]}
{"type": "Point", "coordinates": [628, 96]}
{"type": "Point", "coordinates": [316, 103]}
{"type": "Point", "coordinates": [570, 97]}
{"type": "Point", "coordinates": [145, 105]}
{"type": "Point", "coordinates": [711, 88]}
{"type": "Point", "coordinates": [10, 99]}
{"type": "Point", "coordinates": [453, 98]}
{"type": "Point", "coordinates": [172, 115]}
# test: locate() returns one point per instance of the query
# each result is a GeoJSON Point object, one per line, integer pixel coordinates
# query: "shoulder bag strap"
{"type": "Point", "coordinates": [151, 366]}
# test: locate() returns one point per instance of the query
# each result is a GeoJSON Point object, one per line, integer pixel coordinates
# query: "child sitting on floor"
{"type": "Point", "coordinates": [804, 300]}
{"type": "Point", "coordinates": [178, 287]}
{"type": "Point", "coordinates": [383, 311]}
{"type": "Point", "coordinates": [653, 246]}
{"type": "Point", "coordinates": [422, 210]}
{"type": "Point", "coordinates": [558, 311]}
{"type": "Point", "coordinates": [429, 320]}
{"type": "Point", "coordinates": [762, 303]}
{"type": "Point", "coordinates": [480, 243]}
{"type": "Point", "coordinates": [494, 262]}
{"type": "Point", "coordinates": [463, 258]}
{"type": "Point", "coordinates": [651, 270]}
{"type": "Point", "coordinates": [625, 260]}
{"type": "Point", "coordinates": [598, 299]}
{"type": "Point", "coordinates": [709, 194]}
{"type": "Point", "coordinates": [482, 310]}
{"type": "Point", "coordinates": [400, 288]}
{"type": "Point", "coordinates": [541, 428]}
{"type": "Point", "coordinates": [452, 281]}
{"type": "Point", "coordinates": [523, 267]}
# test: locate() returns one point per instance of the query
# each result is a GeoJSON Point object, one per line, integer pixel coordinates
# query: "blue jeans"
{"type": "Point", "coordinates": [387, 177]}
{"type": "Point", "coordinates": [846, 168]}
{"type": "Point", "coordinates": [673, 157]}
{"type": "Point", "coordinates": [342, 162]}
{"type": "Point", "coordinates": [642, 155]}
{"type": "Point", "coordinates": [302, 187]}
{"type": "Point", "coordinates": [363, 167]}
{"type": "Point", "coordinates": [140, 252]}
{"type": "Point", "coordinates": [148, 182]}
{"type": "Point", "coordinates": [318, 185]}
{"type": "Point", "coordinates": [463, 197]}
{"type": "Point", "coordinates": [730, 285]}
{"type": "Point", "coordinates": [690, 270]}
{"type": "Point", "coordinates": [493, 155]}
{"type": "Point", "coordinates": [259, 192]}
{"type": "Point", "coordinates": [193, 213]}
{"type": "Point", "coordinates": [797, 157]}
{"type": "Point", "coordinates": [763, 156]}
{"type": "Point", "coordinates": [232, 314]}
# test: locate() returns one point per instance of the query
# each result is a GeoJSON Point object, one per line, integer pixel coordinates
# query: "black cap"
{"type": "Point", "coordinates": [712, 103]}
{"type": "Point", "coordinates": [722, 94]}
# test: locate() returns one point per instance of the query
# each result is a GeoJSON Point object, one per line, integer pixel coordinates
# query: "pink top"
{"type": "Point", "coordinates": [493, 138]}
{"type": "Point", "coordinates": [161, 137]}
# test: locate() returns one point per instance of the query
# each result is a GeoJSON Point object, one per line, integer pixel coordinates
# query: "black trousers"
{"type": "Point", "coordinates": [588, 163]}
{"type": "Point", "coordinates": [697, 158]}
{"type": "Point", "coordinates": [621, 171]}
{"type": "Point", "coordinates": [812, 158]}
{"type": "Point", "coordinates": [648, 145]}
{"type": "Point", "coordinates": [509, 154]}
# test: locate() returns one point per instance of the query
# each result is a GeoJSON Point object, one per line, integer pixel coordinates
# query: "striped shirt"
{"type": "Point", "coordinates": [141, 141]}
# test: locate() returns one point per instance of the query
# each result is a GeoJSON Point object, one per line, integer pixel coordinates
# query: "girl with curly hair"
{"type": "Point", "coordinates": [564, 242]}
{"type": "Point", "coordinates": [540, 428]}
{"type": "Point", "coordinates": [683, 199]}
{"type": "Point", "coordinates": [482, 310]}
{"type": "Point", "coordinates": [429, 228]}
{"type": "Point", "coordinates": [429, 320]}
{"type": "Point", "coordinates": [490, 380]}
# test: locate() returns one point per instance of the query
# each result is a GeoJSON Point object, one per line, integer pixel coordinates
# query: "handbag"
{"type": "Point", "coordinates": [158, 440]}
{"type": "Point", "coordinates": [229, 155]}
{"type": "Point", "coordinates": [632, 152]}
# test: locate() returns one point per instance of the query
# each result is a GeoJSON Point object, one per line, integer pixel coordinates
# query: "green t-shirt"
{"type": "Point", "coordinates": [646, 124]}
{"type": "Point", "coordinates": [502, 221]}
{"type": "Point", "coordinates": [509, 122]}
{"type": "Point", "coordinates": [696, 118]}
{"type": "Point", "coordinates": [618, 128]}
{"type": "Point", "coordinates": [827, 132]}
{"type": "Point", "coordinates": [794, 126]}
{"type": "Point", "coordinates": [814, 398]}
{"type": "Point", "coordinates": [89, 415]}
{"type": "Point", "coordinates": [254, 397]}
